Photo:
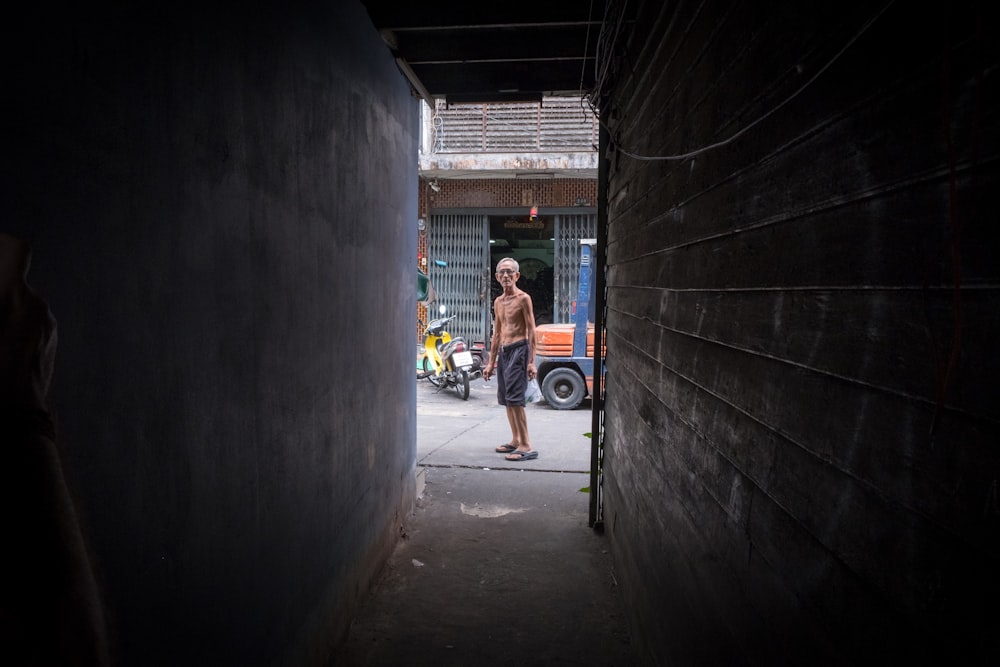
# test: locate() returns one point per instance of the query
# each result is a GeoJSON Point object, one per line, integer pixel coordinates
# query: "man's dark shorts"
{"type": "Point", "coordinates": [512, 373]}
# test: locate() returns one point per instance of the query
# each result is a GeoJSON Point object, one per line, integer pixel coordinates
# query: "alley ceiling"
{"type": "Point", "coordinates": [473, 51]}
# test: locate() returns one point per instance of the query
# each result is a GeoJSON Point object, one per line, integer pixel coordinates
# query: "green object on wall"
{"type": "Point", "coordinates": [423, 285]}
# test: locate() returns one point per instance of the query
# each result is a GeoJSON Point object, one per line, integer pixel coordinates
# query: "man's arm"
{"type": "Point", "coordinates": [528, 313]}
{"type": "Point", "coordinates": [491, 364]}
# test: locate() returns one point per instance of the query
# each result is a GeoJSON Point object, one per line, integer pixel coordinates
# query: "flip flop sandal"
{"type": "Point", "coordinates": [522, 456]}
{"type": "Point", "coordinates": [505, 449]}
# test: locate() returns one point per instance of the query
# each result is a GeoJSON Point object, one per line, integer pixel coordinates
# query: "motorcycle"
{"type": "Point", "coordinates": [447, 361]}
{"type": "Point", "coordinates": [479, 355]}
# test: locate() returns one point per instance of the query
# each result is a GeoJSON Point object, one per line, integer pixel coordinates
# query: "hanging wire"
{"type": "Point", "coordinates": [607, 39]}
{"type": "Point", "coordinates": [599, 84]}
{"type": "Point", "coordinates": [586, 44]}
{"type": "Point", "coordinates": [437, 126]}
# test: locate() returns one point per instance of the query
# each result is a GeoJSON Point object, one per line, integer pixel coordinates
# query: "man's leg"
{"type": "Point", "coordinates": [519, 427]}
{"type": "Point", "coordinates": [515, 436]}
{"type": "Point", "coordinates": [502, 400]}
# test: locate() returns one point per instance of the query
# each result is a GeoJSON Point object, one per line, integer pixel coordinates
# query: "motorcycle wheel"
{"type": "Point", "coordinates": [432, 378]}
{"type": "Point", "coordinates": [462, 386]}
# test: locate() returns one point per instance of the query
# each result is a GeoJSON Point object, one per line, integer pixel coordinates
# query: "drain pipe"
{"type": "Point", "coordinates": [599, 263]}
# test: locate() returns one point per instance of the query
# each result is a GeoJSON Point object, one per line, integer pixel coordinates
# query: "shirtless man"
{"type": "Point", "coordinates": [513, 356]}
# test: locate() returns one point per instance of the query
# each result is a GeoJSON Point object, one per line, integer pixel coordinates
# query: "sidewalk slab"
{"type": "Point", "coordinates": [453, 432]}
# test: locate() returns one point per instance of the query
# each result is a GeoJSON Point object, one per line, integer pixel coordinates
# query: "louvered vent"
{"type": "Point", "coordinates": [558, 124]}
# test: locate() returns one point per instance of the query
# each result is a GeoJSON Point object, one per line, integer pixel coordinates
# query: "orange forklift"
{"type": "Point", "coordinates": [564, 353]}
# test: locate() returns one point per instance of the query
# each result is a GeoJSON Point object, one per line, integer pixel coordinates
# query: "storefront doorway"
{"type": "Point", "coordinates": [531, 242]}
{"type": "Point", "coordinates": [470, 242]}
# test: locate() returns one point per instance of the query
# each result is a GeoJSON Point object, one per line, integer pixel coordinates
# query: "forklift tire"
{"type": "Point", "coordinates": [563, 389]}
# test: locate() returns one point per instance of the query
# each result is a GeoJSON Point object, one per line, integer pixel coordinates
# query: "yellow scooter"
{"type": "Point", "coordinates": [447, 361]}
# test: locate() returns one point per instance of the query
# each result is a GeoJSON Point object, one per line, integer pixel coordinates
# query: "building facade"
{"type": "Point", "coordinates": [504, 180]}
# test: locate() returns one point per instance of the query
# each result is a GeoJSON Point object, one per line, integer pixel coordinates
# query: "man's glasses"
{"type": "Point", "coordinates": [505, 272]}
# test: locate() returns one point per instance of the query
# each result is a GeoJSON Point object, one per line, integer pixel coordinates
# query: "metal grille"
{"type": "Point", "coordinates": [566, 123]}
{"type": "Point", "coordinates": [557, 124]}
{"type": "Point", "coordinates": [569, 229]}
{"type": "Point", "coordinates": [510, 127]}
{"type": "Point", "coordinates": [463, 285]}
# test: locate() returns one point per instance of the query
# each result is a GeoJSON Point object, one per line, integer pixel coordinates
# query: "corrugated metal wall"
{"type": "Point", "coordinates": [569, 229]}
{"type": "Point", "coordinates": [462, 241]}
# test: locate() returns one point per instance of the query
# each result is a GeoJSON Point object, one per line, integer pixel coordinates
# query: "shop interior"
{"type": "Point", "coordinates": [531, 241]}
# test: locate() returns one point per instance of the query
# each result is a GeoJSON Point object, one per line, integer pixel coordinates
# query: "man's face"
{"type": "Point", "coordinates": [506, 275]}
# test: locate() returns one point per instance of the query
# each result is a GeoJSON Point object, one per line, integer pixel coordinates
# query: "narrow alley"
{"type": "Point", "coordinates": [498, 565]}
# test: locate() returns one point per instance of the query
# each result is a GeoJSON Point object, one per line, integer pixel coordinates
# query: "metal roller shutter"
{"type": "Point", "coordinates": [462, 241]}
{"type": "Point", "coordinates": [569, 229]}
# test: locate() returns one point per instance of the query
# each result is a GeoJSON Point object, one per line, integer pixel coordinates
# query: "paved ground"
{"type": "Point", "coordinates": [453, 432]}
{"type": "Point", "coordinates": [498, 566]}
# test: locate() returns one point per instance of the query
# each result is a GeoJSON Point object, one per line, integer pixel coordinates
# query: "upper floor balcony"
{"type": "Point", "coordinates": [554, 138]}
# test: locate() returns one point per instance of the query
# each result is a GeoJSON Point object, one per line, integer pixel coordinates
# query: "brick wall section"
{"type": "Point", "coordinates": [421, 255]}
{"type": "Point", "coordinates": [506, 192]}
{"type": "Point", "coordinates": [496, 193]}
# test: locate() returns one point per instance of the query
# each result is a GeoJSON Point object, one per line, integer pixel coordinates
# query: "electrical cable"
{"type": "Point", "coordinates": [437, 127]}
{"type": "Point", "coordinates": [586, 45]}
{"type": "Point", "coordinates": [606, 45]}
{"type": "Point", "coordinates": [602, 47]}
{"type": "Point", "coordinates": [737, 135]}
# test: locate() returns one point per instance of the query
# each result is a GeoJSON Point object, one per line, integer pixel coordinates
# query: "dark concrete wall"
{"type": "Point", "coordinates": [801, 456]}
{"type": "Point", "coordinates": [222, 202]}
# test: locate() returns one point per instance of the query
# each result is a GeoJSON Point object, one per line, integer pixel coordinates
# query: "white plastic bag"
{"type": "Point", "coordinates": [533, 393]}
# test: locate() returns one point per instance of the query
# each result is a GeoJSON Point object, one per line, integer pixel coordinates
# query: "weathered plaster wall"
{"type": "Point", "coordinates": [801, 453]}
{"type": "Point", "coordinates": [222, 202]}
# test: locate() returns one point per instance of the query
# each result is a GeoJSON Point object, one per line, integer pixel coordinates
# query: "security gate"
{"type": "Point", "coordinates": [462, 242]}
{"type": "Point", "coordinates": [569, 229]}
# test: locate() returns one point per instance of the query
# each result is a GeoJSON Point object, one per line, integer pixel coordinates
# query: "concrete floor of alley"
{"type": "Point", "coordinates": [498, 565]}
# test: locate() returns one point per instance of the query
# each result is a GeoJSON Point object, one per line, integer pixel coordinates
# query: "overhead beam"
{"type": "Point", "coordinates": [547, 77]}
{"type": "Point", "coordinates": [479, 45]}
{"type": "Point", "coordinates": [415, 82]}
{"type": "Point", "coordinates": [483, 97]}
{"type": "Point", "coordinates": [446, 14]}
